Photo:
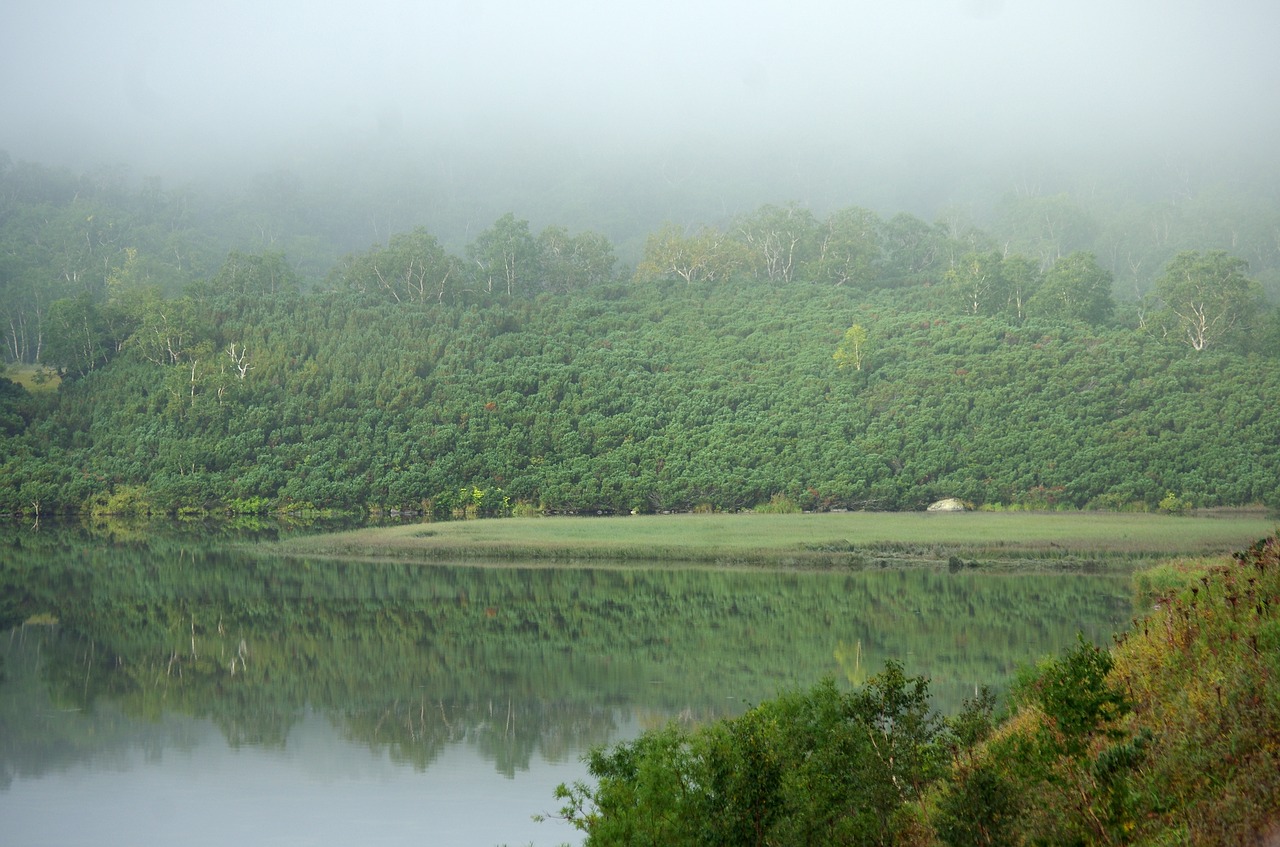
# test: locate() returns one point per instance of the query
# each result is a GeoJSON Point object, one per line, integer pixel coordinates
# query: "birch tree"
{"type": "Point", "coordinates": [1206, 297]}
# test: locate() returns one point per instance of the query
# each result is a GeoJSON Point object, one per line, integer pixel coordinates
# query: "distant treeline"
{"type": "Point", "coordinates": [845, 361]}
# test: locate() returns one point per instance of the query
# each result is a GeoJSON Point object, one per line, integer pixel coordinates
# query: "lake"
{"type": "Point", "coordinates": [177, 690]}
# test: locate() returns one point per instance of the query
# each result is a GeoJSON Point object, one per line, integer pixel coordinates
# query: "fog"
{"type": "Point", "coordinates": [908, 104]}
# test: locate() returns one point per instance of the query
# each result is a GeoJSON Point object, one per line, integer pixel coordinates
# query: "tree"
{"type": "Point", "coordinates": [22, 307]}
{"type": "Point", "coordinates": [848, 248]}
{"type": "Point", "coordinates": [12, 399]}
{"type": "Point", "coordinates": [977, 282]}
{"type": "Point", "coordinates": [1048, 227]}
{"type": "Point", "coordinates": [852, 347]}
{"type": "Point", "coordinates": [573, 262]}
{"type": "Point", "coordinates": [413, 267]}
{"type": "Point", "coordinates": [705, 256]}
{"type": "Point", "coordinates": [505, 255]}
{"type": "Point", "coordinates": [1206, 297]}
{"type": "Point", "coordinates": [1022, 279]}
{"type": "Point", "coordinates": [166, 329]}
{"type": "Point", "coordinates": [134, 290]}
{"type": "Point", "coordinates": [912, 248]}
{"type": "Point", "coordinates": [253, 276]}
{"type": "Point", "coordinates": [1076, 288]}
{"type": "Point", "coordinates": [77, 339]}
{"type": "Point", "coordinates": [778, 239]}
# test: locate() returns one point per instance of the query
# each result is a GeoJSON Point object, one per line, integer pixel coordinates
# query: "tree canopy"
{"type": "Point", "coordinates": [1206, 297]}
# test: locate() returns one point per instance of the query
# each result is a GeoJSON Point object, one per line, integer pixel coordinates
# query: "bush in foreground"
{"type": "Point", "coordinates": [816, 767]}
{"type": "Point", "coordinates": [1171, 737]}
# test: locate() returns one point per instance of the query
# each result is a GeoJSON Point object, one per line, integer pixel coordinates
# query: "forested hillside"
{"type": "Point", "coordinates": [845, 360]}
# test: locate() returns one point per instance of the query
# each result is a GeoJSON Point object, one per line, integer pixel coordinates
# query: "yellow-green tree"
{"type": "Point", "coordinates": [707, 255]}
{"type": "Point", "coordinates": [852, 348]}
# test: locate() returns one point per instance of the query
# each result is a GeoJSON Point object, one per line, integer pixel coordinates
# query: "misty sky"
{"type": "Point", "coordinates": [171, 87]}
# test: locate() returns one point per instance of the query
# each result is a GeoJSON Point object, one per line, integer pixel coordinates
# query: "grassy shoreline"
{"type": "Point", "coordinates": [1016, 540]}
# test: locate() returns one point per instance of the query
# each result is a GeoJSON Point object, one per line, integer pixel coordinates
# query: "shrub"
{"type": "Point", "coordinates": [525, 509]}
{"type": "Point", "coordinates": [248, 505]}
{"type": "Point", "coordinates": [815, 767]}
{"type": "Point", "coordinates": [779, 504]}
{"type": "Point", "coordinates": [129, 501]}
{"type": "Point", "coordinates": [1172, 504]}
{"type": "Point", "coordinates": [980, 808]}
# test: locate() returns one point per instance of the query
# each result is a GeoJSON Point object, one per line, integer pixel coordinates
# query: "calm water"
{"type": "Point", "coordinates": [192, 695]}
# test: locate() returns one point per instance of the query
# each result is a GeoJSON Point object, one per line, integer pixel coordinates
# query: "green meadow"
{"type": "Point", "coordinates": [32, 377]}
{"type": "Point", "coordinates": [853, 539]}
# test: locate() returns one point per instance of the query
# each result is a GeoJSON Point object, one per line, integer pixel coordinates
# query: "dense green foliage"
{"type": "Point", "coordinates": [1173, 737]}
{"type": "Point", "coordinates": [850, 361]}
{"type": "Point", "coordinates": [820, 767]}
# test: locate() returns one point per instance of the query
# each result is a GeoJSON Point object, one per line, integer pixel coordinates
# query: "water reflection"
{"type": "Point", "coordinates": [314, 789]}
{"type": "Point", "coordinates": [461, 692]}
